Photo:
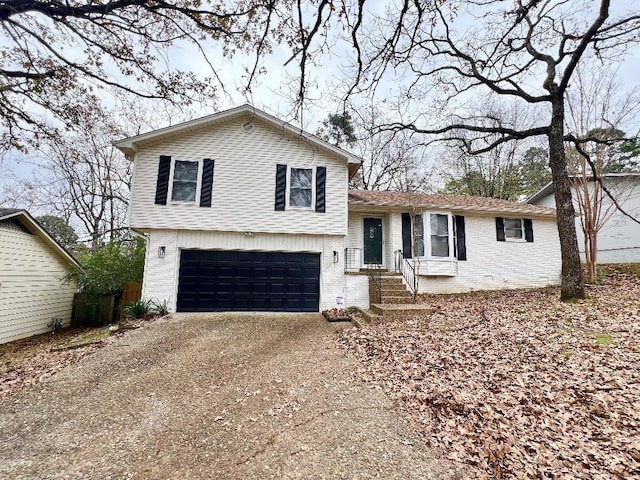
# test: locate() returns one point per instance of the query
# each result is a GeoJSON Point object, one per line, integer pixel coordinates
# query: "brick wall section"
{"type": "Point", "coordinates": [493, 265]}
{"type": "Point", "coordinates": [161, 274]}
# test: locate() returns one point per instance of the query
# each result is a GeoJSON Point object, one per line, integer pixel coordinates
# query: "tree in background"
{"type": "Point", "coordinates": [338, 130]}
{"type": "Point", "coordinates": [57, 56]}
{"type": "Point", "coordinates": [390, 160]}
{"type": "Point", "coordinates": [82, 178]}
{"type": "Point", "coordinates": [507, 171]}
{"type": "Point", "coordinates": [534, 171]}
{"type": "Point", "coordinates": [60, 230]}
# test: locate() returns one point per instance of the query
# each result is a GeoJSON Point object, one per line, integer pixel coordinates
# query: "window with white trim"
{"type": "Point", "coordinates": [513, 229]}
{"type": "Point", "coordinates": [185, 182]}
{"type": "Point", "coordinates": [435, 238]}
{"type": "Point", "coordinates": [440, 235]}
{"type": "Point", "coordinates": [300, 186]}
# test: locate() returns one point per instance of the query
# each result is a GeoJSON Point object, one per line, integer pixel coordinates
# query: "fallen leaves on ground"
{"type": "Point", "coordinates": [518, 384]}
{"type": "Point", "coordinates": [27, 362]}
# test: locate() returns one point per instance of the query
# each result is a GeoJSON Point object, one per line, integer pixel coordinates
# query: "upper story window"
{"type": "Point", "coordinates": [300, 188]}
{"type": "Point", "coordinates": [301, 191]}
{"type": "Point", "coordinates": [184, 184]}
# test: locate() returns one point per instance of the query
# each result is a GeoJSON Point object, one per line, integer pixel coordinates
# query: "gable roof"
{"type": "Point", "coordinates": [31, 224]}
{"type": "Point", "coordinates": [129, 146]}
{"type": "Point", "coordinates": [548, 188]}
{"type": "Point", "coordinates": [456, 203]}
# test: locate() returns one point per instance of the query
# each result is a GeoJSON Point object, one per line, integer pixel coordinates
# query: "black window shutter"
{"type": "Point", "coordinates": [321, 180]}
{"type": "Point", "coordinates": [461, 241]}
{"type": "Point", "coordinates": [528, 229]}
{"type": "Point", "coordinates": [406, 235]}
{"type": "Point", "coordinates": [500, 229]}
{"type": "Point", "coordinates": [206, 188]}
{"type": "Point", "coordinates": [162, 185]}
{"type": "Point", "coordinates": [281, 186]}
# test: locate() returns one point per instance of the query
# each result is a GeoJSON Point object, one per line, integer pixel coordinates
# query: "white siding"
{"type": "Point", "coordinates": [491, 264]}
{"type": "Point", "coordinates": [161, 274]}
{"type": "Point", "coordinates": [619, 238]}
{"type": "Point", "coordinates": [31, 289]}
{"type": "Point", "coordinates": [243, 183]}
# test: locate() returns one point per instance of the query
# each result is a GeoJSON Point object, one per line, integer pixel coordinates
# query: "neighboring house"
{"type": "Point", "coordinates": [32, 265]}
{"type": "Point", "coordinates": [245, 212]}
{"type": "Point", "coordinates": [619, 238]}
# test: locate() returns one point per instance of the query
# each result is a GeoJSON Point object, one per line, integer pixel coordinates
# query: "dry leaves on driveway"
{"type": "Point", "coordinates": [517, 383]}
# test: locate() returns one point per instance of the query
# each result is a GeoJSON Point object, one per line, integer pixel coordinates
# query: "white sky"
{"type": "Point", "coordinates": [273, 90]}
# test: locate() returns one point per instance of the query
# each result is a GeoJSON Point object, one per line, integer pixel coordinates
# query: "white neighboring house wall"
{"type": "Point", "coordinates": [161, 274]}
{"type": "Point", "coordinates": [619, 238]}
{"type": "Point", "coordinates": [32, 292]}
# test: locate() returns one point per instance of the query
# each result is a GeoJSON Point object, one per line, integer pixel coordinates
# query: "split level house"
{"type": "Point", "coordinates": [245, 212]}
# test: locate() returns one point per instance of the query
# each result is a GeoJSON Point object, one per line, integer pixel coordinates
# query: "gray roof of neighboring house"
{"type": "Point", "coordinates": [548, 188]}
{"type": "Point", "coordinates": [8, 211]}
{"type": "Point", "coordinates": [32, 225]}
{"type": "Point", "coordinates": [461, 203]}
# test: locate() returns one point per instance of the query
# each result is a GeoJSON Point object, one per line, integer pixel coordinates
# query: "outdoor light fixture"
{"type": "Point", "coordinates": [161, 251]}
{"type": "Point", "coordinates": [248, 234]}
{"type": "Point", "coordinates": [335, 256]}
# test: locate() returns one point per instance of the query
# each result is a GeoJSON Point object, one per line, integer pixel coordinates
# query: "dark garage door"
{"type": "Point", "coordinates": [222, 281]}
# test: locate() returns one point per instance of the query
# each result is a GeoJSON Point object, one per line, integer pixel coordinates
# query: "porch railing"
{"type": "Point", "coordinates": [353, 258]}
{"type": "Point", "coordinates": [408, 271]}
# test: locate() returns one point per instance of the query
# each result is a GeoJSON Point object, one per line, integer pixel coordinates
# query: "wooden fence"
{"type": "Point", "coordinates": [91, 310]}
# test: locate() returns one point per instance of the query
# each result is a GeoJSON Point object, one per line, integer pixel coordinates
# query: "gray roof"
{"type": "Point", "coordinates": [548, 188]}
{"type": "Point", "coordinates": [5, 212]}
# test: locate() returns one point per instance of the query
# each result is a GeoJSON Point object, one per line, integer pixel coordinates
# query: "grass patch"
{"type": "Point", "coordinates": [604, 339]}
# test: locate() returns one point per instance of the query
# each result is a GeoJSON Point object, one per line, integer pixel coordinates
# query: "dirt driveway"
{"type": "Point", "coordinates": [212, 396]}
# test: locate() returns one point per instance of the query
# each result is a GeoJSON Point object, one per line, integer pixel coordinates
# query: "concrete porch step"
{"type": "Point", "coordinates": [397, 299]}
{"type": "Point", "coordinates": [395, 310]}
{"type": "Point", "coordinates": [394, 287]}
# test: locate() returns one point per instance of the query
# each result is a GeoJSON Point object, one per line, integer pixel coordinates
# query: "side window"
{"type": "Point", "coordinates": [513, 229]}
{"type": "Point", "coordinates": [301, 187]}
{"type": "Point", "coordinates": [418, 232]}
{"type": "Point", "coordinates": [439, 235]}
{"type": "Point", "coordinates": [184, 184]}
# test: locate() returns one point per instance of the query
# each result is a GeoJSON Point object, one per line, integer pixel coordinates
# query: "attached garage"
{"type": "Point", "coordinates": [223, 280]}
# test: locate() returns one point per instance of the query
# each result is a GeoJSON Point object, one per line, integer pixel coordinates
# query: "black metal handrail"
{"type": "Point", "coordinates": [408, 270]}
{"type": "Point", "coordinates": [352, 259]}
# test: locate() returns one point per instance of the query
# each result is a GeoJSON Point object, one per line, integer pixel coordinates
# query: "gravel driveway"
{"type": "Point", "coordinates": [212, 396]}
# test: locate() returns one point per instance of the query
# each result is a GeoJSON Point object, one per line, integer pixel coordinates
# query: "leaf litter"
{"type": "Point", "coordinates": [517, 384]}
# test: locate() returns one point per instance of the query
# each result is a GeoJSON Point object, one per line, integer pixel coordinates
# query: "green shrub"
{"type": "Point", "coordinates": [137, 309]}
{"type": "Point", "coordinates": [160, 307]}
{"type": "Point", "coordinates": [107, 268]}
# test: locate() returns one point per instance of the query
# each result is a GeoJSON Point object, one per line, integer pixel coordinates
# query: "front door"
{"type": "Point", "coordinates": [373, 241]}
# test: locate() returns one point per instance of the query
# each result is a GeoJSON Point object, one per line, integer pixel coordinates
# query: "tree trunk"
{"type": "Point", "coordinates": [572, 285]}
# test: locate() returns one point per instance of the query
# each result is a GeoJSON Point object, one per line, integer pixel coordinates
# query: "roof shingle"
{"type": "Point", "coordinates": [448, 202]}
